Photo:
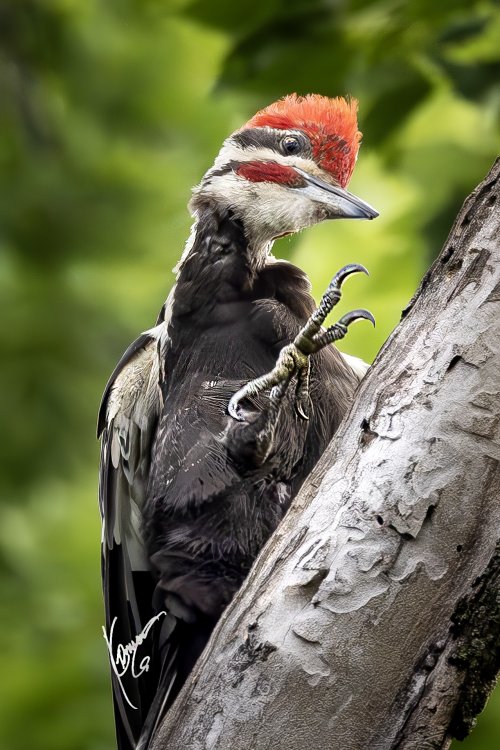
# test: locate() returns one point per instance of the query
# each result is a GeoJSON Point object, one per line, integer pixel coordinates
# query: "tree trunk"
{"type": "Point", "coordinates": [371, 618]}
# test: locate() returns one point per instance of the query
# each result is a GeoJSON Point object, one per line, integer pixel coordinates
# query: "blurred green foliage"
{"type": "Point", "coordinates": [110, 110]}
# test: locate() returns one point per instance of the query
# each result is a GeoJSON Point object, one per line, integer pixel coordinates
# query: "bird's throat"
{"type": "Point", "coordinates": [219, 264]}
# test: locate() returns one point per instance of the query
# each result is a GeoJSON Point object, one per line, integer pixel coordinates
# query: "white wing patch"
{"type": "Point", "coordinates": [356, 364]}
{"type": "Point", "coordinates": [133, 406]}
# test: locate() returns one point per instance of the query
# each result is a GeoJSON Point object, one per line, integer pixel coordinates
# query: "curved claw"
{"type": "Point", "coordinates": [233, 407]}
{"type": "Point", "coordinates": [346, 271]}
{"type": "Point", "coordinates": [301, 411]}
{"type": "Point", "coordinates": [354, 315]}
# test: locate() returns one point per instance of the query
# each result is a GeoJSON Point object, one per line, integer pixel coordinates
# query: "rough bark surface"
{"type": "Point", "coordinates": [371, 619]}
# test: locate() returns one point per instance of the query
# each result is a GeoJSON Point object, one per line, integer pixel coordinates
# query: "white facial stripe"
{"type": "Point", "coordinates": [275, 216]}
{"type": "Point", "coordinates": [231, 151]}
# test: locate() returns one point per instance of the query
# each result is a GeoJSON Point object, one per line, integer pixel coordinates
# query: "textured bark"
{"type": "Point", "coordinates": [371, 618]}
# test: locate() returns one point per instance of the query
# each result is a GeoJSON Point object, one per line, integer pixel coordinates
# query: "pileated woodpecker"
{"type": "Point", "coordinates": [207, 426]}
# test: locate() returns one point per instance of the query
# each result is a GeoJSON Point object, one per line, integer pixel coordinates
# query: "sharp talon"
{"type": "Point", "coordinates": [354, 315]}
{"type": "Point", "coordinates": [346, 271]}
{"type": "Point", "coordinates": [300, 411]}
{"type": "Point", "coordinates": [233, 409]}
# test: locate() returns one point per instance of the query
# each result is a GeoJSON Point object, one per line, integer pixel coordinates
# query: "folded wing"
{"type": "Point", "coordinates": [127, 423]}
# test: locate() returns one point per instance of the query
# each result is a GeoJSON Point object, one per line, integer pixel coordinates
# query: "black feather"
{"type": "Point", "coordinates": [208, 503]}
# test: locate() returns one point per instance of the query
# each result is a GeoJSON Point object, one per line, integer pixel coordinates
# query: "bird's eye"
{"type": "Point", "coordinates": [291, 144]}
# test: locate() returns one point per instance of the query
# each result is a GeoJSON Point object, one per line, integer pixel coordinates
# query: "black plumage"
{"type": "Point", "coordinates": [208, 497]}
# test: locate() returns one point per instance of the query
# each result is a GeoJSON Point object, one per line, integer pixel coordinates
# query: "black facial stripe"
{"type": "Point", "coordinates": [257, 138]}
{"type": "Point", "coordinates": [269, 138]}
{"type": "Point", "coordinates": [231, 166]}
{"type": "Point", "coordinates": [219, 172]}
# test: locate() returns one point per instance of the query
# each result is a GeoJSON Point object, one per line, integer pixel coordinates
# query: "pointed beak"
{"type": "Point", "coordinates": [340, 203]}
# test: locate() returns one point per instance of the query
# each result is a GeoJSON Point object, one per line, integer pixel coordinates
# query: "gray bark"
{"type": "Point", "coordinates": [371, 618]}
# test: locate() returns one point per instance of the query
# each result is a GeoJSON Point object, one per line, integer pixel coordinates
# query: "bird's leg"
{"type": "Point", "coordinates": [293, 359]}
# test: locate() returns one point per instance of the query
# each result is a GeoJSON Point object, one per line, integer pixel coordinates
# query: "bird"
{"type": "Point", "coordinates": [214, 417]}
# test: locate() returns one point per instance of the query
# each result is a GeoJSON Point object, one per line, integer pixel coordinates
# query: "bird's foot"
{"type": "Point", "coordinates": [293, 359]}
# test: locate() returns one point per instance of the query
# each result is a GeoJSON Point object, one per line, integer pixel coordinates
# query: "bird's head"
{"type": "Point", "coordinates": [288, 168]}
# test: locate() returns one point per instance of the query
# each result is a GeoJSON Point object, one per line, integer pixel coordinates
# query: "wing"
{"type": "Point", "coordinates": [127, 422]}
{"type": "Point", "coordinates": [357, 365]}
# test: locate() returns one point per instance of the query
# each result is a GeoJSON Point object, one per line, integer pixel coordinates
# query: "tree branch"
{"type": "Point", "coordinates": [371, 618]}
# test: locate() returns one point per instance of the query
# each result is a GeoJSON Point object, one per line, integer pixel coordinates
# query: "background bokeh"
{"type": "Point", "coordinates": [110, 111]}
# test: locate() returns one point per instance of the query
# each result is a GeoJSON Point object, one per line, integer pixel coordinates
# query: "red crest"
{"type": "Point", "coordinates": [331, 125]}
